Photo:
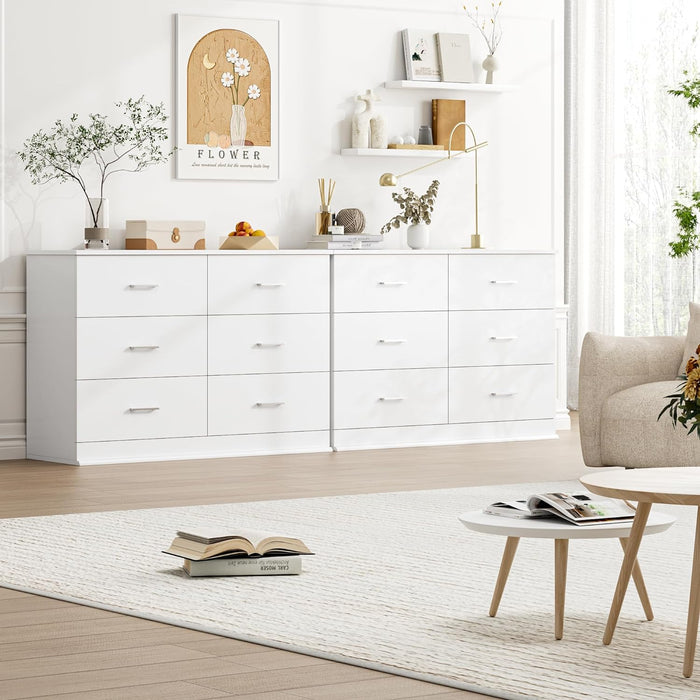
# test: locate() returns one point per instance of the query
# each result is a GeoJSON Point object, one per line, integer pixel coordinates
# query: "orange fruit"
{"type": "Point", "coordinates": [243, 226]}
{"type": "Point", "coordinates": [258, 232]}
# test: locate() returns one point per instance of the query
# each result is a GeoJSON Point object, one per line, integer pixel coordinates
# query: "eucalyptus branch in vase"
{"type": "Point", "coordinates": [414, 209]}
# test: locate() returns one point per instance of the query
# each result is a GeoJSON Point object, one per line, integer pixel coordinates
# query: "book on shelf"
{"type": "Point", "coordinates": [578, 508]}
{"type": "Point", "coordinates": [244, 566]}
{"type": "Point", "coordinates": [345, 245]}
{"type": "Point", "coordinates": [455, 58]}
{"type": "Point", "coordinates": [209, 543]}
{"type": "Point", "coordinates": [420, 55]}
{"type": "Point", "coordinates": [447, 113]}
{"type": "Point", "coordinates": [344, 237]}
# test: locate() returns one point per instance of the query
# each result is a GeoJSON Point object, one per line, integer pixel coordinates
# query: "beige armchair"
{"type": "Point", "coordinates": [622, 385]}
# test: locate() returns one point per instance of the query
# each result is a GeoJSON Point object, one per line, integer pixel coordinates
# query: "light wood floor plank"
{"type": "Point", "coordinates": [45, 630]}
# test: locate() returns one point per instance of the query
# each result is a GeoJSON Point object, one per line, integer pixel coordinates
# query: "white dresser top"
{"type": "Point", "coordinates": [291, 251]}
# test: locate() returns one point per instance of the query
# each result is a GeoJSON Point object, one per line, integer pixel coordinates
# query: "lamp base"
{"type": "Point", "coordinates": [476, 241]}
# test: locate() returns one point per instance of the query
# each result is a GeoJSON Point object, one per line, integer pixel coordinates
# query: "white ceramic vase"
{"type": "Point", "coordinates": [418, 236]}
{"type": "Point", "coordinates": [239, 125]}
{"type": "Point", "coordinates": [490, 64]}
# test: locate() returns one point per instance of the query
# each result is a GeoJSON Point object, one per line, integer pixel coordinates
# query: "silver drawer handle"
{"type": "Point", "coordinates": [269, 284]}
{"type": "Point", "coordinates": [269, 404]}
{"type": "Point", "coordinates": [503, 337]}
{"type": "Point", "coordinates": [392, 284]}
{"type": "Point", "coordinates": [392, 341]}
{"type": "Point", "coordinates": [268, 345]}
{"type": "Point", "coordinates": [137, 348]}
{"type": "Point", "coordinates": [144, 409]}
{"type": "Point", "coordinates": [503, 393]}
{"type": "Point", "coordinates": [391, 398]}
{"type": "Point", "coordinates": [504, 281]}
{"type": "Point", "coordinates": [142, 287]}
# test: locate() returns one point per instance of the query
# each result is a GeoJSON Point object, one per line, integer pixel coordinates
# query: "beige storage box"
{"type": "Point", "coordinates": [146, 234]}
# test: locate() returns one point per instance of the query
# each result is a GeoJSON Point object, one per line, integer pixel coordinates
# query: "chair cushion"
{"type": "Point", "coordinates": [632, 437]}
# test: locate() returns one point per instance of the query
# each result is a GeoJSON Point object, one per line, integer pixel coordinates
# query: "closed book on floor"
{"type": "Point", "coordinates": [447, 113]}
{"type": "Point", "coordinates": [454, 54]}
{"type": "Point", "coordinates": [246, 566]}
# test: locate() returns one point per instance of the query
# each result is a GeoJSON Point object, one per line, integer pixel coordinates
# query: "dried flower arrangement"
{"type": "Point", "coordinates": [684, 407]}
{"type": "Point", "coordinates": [414, 210]}
{"type": "Point", "coordinates": [488, 26]}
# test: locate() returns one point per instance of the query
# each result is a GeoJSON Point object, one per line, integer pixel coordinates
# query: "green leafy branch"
{"type": "Point", "coordinates": [131, 146]}
{"type": "Point", "coordinates": [414, 209]}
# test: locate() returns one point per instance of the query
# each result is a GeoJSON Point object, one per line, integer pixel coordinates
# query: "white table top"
{"type": "Point", "coordinates": [554, 528]}
{"type": "Point", "coordinates": [677, 485]}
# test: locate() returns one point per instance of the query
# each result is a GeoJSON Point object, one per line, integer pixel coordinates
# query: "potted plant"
{"type": "Point", "coordinates": [415, 211]}
{"type": "Point", "coordinates": [63, 152]}
{"type": "Point", "coordinates": [687, 207]}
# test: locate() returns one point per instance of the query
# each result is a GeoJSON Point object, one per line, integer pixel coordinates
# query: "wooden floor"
{"type": "Point", "coordinates": [50, 648]}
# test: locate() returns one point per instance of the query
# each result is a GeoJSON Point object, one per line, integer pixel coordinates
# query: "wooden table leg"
{"type": "Point", "coordinates": [561, 550]}
{"type": "Point", "coordinates": [691, 632]}
{"type": "Point", "coordinates": [631, 549]}
{"type": "Point", "coordinates": [639, 583]}
{"type": "Point", "coordinates": [506, 561]}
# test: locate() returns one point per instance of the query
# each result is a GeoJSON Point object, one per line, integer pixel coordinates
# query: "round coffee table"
{"type": "Point", "coordinates": [674, 485]}
{"type": "Point", "coordinates": [561, 532]}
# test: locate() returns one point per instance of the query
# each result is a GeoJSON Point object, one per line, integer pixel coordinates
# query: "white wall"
{"type": "Point", "coordinates": [82, 56]}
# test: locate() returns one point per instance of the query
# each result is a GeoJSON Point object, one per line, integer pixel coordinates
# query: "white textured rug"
{"type": "Point", "coordinates": [398, 584]}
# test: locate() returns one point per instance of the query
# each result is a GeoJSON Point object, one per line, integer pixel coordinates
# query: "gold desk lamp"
{"type": "Point", "coordinates": [391, 180]}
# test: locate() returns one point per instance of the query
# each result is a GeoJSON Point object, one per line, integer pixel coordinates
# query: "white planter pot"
{"type": "Point", "coordinates": [418, 236]}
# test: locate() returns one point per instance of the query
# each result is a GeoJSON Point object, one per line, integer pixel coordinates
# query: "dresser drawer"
{"type": "Point", "coordinates": [479, 338]}
{"type": "Point", "coordinates": [501, 282]}
{"type": "Point", "coordinates": [161, 346]}
{"type": "Point", "coordinates": [141, 285]}
{"type": "Point", "coordinates": [269, 403]}
{"type": "Point", "coordinates": [268, 284]}
{"type": "Point", "coordinates": [133, 409]}
{"type": "Point", "coordinates": [393, 340]}
{"type": "Point", "coordinates": [383, 398]}
{"type": "Point", "coordinates": [483, 394]}
{"type": "Point", "coordinates": [390, 282]}
{"type": "Point", "coordinates": [267, 343]}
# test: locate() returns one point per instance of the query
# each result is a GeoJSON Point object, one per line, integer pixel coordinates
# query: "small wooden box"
{"type": "Point", "coordinates": [250, 243]}
{"type": "Point", "coordinates": [147, 234]}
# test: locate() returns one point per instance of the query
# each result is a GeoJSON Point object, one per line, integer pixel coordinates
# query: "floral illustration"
{"type": "Point", "coordinates": [487, 23]}
{"type": "Point", "coordinates": [232, 81]}
{"type": "Point", "coordinates": [418, 51]}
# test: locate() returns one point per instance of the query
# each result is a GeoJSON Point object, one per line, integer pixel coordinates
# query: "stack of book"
{"type": "Point", "coordinates": [214, 553]}
{"type": "Point", "coordinates": [347, 241]}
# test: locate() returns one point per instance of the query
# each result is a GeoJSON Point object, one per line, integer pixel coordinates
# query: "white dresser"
{"type": "Point", "coordinates": [143, 355]}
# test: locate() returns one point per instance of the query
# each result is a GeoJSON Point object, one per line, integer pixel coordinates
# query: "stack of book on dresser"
{"type": "Point", "coordinates": [210, 552]}
{"type": "Point", "coordinates": [347, 241]}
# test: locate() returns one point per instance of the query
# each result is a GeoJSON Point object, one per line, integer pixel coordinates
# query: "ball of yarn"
{"type": "Point", "coordinates": [353, 220]}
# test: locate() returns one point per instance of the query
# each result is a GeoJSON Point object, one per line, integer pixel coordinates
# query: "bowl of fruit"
{"type": "Point", "coordinates": [245, 237]}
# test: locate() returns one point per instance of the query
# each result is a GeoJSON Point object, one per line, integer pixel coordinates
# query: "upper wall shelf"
{"type": "Point", "coordinates": [437, 85]}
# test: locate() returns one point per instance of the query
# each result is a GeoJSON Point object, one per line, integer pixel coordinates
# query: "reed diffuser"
{"type": "Point", "coordinates": [324, 218]}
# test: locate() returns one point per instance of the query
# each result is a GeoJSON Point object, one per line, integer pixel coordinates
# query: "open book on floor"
{"type": "Point", "coordinates": [579, 508]}
{"type": "Point", "coordinates": [204, 543]}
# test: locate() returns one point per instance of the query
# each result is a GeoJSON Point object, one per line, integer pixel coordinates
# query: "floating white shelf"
{"type": "Point", "coordinates": [437, 85]}
{"type": "Point", "coordinates": [395, 152]}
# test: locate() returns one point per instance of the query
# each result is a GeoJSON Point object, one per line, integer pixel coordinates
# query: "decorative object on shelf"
{"type": "Point", "coordinates": [409, 140]}
{"type": "Point", "coordinates": [425, 136]}
{"type": "Point", "coordinates": [391, 180]}
{"type": "Point", "coordinates": [490, 29]}
{"type": "Point", "coordinates": [324, 218]}
{"type": "Point", "coordinates": [147, 234]}
{"type": "Point", "coordinates": [686, 208]}
{"type": "Point", "coordinates": [455, 58]}
{"type": "Point", "coordinates": [133, 145]}
{"type": "Point", "coordinates": [368, 124]}
{"type": "Point", "coordinates": [420, 55]}
{"type": "Point", "coordinates": [415, 211]}
{"type": "Point", "coordinates": [353, 220]}
{"type": "Point", "coordinates": [227, 98]}
{"type": "Point", "coordinates": [415, 147]}
{"type": "Point", "coordinates": [396, 140]}
{"type": "Point", "coordinates": [447, 113]}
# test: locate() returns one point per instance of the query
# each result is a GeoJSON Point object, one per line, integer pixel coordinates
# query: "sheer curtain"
{"type": "Point", "coordinates": [628, 151]}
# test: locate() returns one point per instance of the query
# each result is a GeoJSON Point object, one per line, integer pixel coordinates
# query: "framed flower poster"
{"type": "Point", "coordinates": [227, 99]}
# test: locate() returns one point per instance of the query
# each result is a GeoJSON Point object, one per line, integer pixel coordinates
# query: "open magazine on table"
{"type": "Point", "coordinates": [577, 508]}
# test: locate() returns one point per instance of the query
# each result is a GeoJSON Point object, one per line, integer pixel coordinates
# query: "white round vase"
{"type": "Point", "coordinates": [418, 236]}
{"type": "Point", "coordinates": [490, 64]}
